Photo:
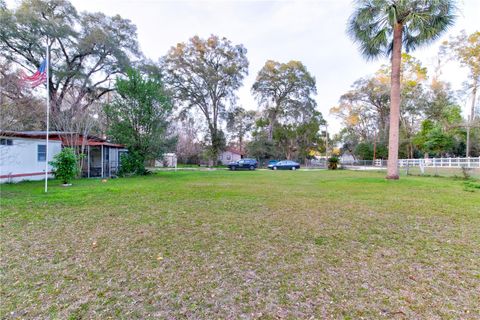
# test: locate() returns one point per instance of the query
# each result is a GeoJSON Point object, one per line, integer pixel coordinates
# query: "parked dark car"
{"type": "Point", "coordinates": [272, 162]}
{"type": "Point", "coordinates": [243, 164]}
{"type": "Point", "coordinates": [284, 165]}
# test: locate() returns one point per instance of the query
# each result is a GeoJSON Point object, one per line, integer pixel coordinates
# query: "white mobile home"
{"type": "Point", "coordinates": [22, 154]}
{"type": "Point", "coordinates": [23, 157]}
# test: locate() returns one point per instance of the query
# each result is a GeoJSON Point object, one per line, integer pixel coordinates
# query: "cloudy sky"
{"type": "Point", "coordinates": [310, 31]}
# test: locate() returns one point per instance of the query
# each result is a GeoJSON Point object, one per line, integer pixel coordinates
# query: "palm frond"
{"type": "Point", "coordinates": [428, 23]}
{"type": "Point", "coordinates": [368, 27]}
{"type": "Point", "coordinates": [371, 24]}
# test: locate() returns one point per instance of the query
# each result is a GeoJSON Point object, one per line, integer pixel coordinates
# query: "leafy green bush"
{"type": "Point", "coordinates": [65, 165]}
{"type": "Point", "coordinates": [333, 163]}
{"type": "Point", "coordinates": [132, 163]}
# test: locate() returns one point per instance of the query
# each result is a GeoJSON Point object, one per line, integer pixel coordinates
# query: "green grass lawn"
{"type": "Point", "coordinates": [229, 245]}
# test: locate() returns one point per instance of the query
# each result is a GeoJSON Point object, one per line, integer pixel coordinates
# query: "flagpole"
{"type": "Point", "coordinates": [48, 116]}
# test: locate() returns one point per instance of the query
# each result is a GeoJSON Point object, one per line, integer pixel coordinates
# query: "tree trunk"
{"type": "Point", "coordinates": [272, 119]}
{"type": "Point", "coordinates": [215, 142]}
{"type": "Point", "coordinates": [393, 138]}
{"type": "Point", "coordinates": [241, 134]}
{"type": "Point", "coordinates": [472, 116]}
{"type": "Point", "coordinates": [270, 130]}
{"type": "Point", "coordinates": [474, 98]}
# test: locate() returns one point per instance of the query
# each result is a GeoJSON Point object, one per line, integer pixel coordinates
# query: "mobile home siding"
{"type": "Point", "coordinates": [20, 161]}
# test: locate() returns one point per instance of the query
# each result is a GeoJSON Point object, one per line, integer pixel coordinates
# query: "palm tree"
{"type": "Point", "coordinates": [382, 27]}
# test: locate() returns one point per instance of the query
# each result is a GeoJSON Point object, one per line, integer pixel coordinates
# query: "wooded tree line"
{"type": "Point", "coordinates": [431, 121]}
{"type": "Point", "coordinates": [101, 84]}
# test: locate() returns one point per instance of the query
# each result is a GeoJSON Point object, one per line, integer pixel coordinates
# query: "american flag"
{"type": "Point", "coordinates": [38, 77]}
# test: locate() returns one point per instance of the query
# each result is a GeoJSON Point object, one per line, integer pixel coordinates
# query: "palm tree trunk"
{"type": "Point", "coordinates": [393, 139]}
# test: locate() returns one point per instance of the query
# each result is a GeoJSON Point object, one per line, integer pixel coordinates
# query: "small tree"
{"type": "Point", "coordinates": [239, 123]}
{"type": "Point", "coordinates": [65, 165]}
{"type": "Point", "coordinates": [333, 163]}
{"type": "Point", "coordinates": [139, 117]}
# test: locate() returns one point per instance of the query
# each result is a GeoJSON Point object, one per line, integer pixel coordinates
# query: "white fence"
{"type": "Point", "coordinates": [427, 163]}
{"type": "Point", "coordinates": [441, 162]}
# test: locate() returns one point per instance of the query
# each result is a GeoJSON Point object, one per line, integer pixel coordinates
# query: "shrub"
{"type": "Point", "coordinates": [333, 163]}
{"type": "Point", "coordinates": [65, 165]}
{"type": "Point", "coordinates": [132, 163]}
{"type": "Point", "coordinates": [466, 173]}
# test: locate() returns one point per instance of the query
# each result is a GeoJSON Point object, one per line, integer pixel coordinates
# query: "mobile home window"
{"type": "Point", "coordinates": [42, 152]}
{"type": "Point", "coordinates": [6, 142]}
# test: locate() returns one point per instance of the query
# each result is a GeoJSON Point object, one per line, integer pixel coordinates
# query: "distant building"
{"type": "Point", "coordinates": [169, 160]}
{"type": "Point", "coordinates": [23, 154]}
{"type": "Point", "coordinates": [347, 157]}
{"type": "Point", "coordinates": [230, 155]}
